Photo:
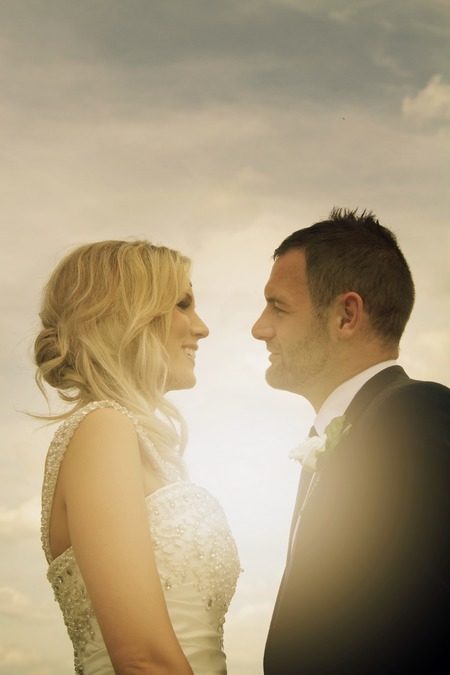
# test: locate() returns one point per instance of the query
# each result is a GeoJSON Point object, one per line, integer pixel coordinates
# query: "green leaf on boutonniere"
{"type": "Point", "coordinates": [314, 451]}
{"type": "Point", "coordinates": [335, 431]}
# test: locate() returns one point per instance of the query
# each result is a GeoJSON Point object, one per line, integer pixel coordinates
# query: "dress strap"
{"type": "Point", "coordinates": [168, 471]}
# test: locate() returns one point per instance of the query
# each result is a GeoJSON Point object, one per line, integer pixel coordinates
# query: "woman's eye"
{"type": "Point", "coordinates": [184, 304]}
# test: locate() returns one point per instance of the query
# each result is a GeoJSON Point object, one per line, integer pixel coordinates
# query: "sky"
{"type": "Point", "coordinates": [217, 128]}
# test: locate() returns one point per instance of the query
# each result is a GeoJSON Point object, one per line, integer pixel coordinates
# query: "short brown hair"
{"type": "Point", "coordinates": [351, 252]}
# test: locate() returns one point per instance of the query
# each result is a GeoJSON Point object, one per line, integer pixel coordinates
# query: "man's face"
{"type": "Point", "coordinates": [296, 336]}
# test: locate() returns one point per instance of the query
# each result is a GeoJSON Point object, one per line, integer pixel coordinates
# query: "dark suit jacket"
{"type": "Point", "coordinates": [366, 585]}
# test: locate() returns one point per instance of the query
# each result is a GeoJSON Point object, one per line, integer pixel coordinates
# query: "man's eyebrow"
{"type": "Point", "coordinates": [274, 300]}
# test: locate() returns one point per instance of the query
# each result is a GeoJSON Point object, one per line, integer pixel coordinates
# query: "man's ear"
{"type": "Point", "coordinates": [348, 314]}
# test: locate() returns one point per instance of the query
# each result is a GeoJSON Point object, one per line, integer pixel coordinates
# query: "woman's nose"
{"type": "Point", "coordinates": [200, 328]}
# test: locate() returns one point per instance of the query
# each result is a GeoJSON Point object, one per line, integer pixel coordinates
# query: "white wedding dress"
{"type": "Point", "coordinates": [195, 555]}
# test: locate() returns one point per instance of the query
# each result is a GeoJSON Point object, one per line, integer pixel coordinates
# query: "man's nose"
{"type": "Point", "coordinates": [261, 329]}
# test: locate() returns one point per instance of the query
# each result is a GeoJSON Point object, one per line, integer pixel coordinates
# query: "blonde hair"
{"type": "Point", "coordinates": [105, 315]}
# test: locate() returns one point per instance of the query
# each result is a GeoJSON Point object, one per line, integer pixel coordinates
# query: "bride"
{"type": "Point", "coordinates": [141, 561]}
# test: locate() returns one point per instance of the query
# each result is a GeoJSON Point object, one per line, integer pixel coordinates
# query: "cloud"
{"type": "Point", "coordinates": [430, 104]}
{"type": "Point", "coordinates": [21, 521]}
{"type": "Point", "coordinates": [16, 660]}
{"type": "Point", "coordinates": [425, 353]}
{"type": "Point", "coordinates": [13, 656]}
{"type": "Point", "coordinates": [246, 632]}
{"type": "Point", "coordinates": [68, 62]}
{"type": "Point", "coordinates": [13, 603]}
{"type": "Point", "coordinates": [217, 130]}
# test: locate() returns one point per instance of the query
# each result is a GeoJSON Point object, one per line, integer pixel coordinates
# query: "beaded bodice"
{"type": "Point", "coordinates": [195, 554]}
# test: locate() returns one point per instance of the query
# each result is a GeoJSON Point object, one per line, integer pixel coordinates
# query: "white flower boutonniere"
{"type": "Point", "coordinates": [307, 452]}
{"type": "Point", "coordinates": [310, 452]}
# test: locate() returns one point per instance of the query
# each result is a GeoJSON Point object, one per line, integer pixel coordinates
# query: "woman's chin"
{"type": "Point", "coordinates": [181, 382]}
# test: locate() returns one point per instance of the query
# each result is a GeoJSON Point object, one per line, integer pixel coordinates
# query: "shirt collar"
{"type": "Point", "coordinates": [338, 401]}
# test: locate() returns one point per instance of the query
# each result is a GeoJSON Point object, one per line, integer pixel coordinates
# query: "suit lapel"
{"type": "Point", "coordinates": [305, 481]}
{"type": "Point", "coordinates": [374, 391]}
{"type": "Point", "coordinates": [370, 395]}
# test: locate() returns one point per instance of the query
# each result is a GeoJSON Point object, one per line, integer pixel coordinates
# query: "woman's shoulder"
{"type": "Point", "coordinates": [95, 417]}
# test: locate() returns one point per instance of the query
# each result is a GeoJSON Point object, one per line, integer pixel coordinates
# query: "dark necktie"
{"type": "Point", "coordinates": [305, 480]}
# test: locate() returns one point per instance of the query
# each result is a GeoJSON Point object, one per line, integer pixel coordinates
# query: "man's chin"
{"type": "Point", "coordinates": [277, 379]}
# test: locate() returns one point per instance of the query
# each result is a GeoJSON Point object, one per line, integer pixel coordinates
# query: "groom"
{"type": "Point", "coordinates": [366, 585]}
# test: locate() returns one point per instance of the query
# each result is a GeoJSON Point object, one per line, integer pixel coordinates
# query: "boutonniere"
{"type": "Point", "coordinates": [311, 452]}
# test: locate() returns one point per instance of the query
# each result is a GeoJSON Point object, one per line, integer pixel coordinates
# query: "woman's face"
{"type": "Point", "coordinates": [186, 330]}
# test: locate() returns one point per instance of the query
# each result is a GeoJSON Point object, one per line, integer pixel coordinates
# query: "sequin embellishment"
{"type": "Point", "coordinates": [191, 539]}
{"type": "Point", "coordinates": [193, 544]}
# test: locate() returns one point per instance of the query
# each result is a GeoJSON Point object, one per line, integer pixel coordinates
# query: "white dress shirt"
{"type": "Point", "coordinates": [338, 401]}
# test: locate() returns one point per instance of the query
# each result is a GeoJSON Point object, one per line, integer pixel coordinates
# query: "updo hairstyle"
{"type": "Point", "coordinates": [105, 315]}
